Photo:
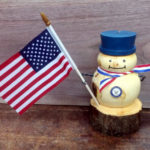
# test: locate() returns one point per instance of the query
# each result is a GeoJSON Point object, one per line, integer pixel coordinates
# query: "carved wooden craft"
{"type": "Point", "coordinates": [116, 85]}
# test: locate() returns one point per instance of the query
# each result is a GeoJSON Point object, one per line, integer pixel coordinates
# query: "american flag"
{"type": "Point", "coordinates": [32, 72]}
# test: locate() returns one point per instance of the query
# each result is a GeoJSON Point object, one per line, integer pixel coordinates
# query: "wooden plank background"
{"type": "Point", "coordinates": [78, 23]}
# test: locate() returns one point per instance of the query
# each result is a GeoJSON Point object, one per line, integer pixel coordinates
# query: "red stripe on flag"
{"type": "Point", "coordinates": [12, 69]}
{"type": "Point", "coordinates": [18, 85]}
{"type": "Point", "coordinates": [41, 86]}
{"type": "Point", "coordinates": [46, 91]}
{"type": "Point", "coordinates": [14, 78]}
{"type": "Point", "coordinates": [36, 80]}
{"type": "Point", "coordinates": [11, 59]}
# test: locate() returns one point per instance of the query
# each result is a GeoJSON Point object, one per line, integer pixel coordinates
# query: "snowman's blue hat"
{"type": "Point", "coordinates": [118, 43]}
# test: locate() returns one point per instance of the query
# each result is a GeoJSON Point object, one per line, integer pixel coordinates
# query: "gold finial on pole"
{"type": "Point", "coordinates": [45, 19]}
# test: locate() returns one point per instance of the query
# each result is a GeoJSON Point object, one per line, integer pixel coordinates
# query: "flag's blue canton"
{"type": "Point", "coordinates": [40, 51]}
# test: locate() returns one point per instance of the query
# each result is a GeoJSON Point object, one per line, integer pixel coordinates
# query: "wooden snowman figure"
{"type": "Point", "coordinates": [116, 85]}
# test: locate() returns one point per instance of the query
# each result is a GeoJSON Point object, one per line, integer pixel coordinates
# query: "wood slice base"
{"type": "Point", "coordinates": [116, 125]}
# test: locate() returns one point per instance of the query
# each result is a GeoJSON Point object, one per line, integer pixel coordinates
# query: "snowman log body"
{"type": "Point", "coordinates": [119, 110]}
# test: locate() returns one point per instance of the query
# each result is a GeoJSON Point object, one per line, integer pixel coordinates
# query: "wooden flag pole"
{"type": "Point", "coordinates": [50, 29]}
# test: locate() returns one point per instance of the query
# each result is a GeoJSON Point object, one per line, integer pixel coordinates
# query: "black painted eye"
{"type": "Point", "coordinates": [110, 61]}
{"type": "Point", "coordinates": [124, 60]}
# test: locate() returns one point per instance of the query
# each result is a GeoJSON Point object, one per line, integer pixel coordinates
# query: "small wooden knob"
{"type": "Point", "coordinates": [45, 19]}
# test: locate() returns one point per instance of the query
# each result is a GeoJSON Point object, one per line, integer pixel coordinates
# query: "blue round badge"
{"type": "Point", "coordinates": [116, 91]}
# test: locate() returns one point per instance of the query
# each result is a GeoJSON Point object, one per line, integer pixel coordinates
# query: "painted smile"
{"type": "Point", "coordinates": [117, 68]}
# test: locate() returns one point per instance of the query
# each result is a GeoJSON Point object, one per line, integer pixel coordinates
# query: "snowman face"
{"type": "Point", "coordinates": [117, 63]}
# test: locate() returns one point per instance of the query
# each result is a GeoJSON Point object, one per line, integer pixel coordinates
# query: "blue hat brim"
{"type": "Point", "coordinates": [118, 52]}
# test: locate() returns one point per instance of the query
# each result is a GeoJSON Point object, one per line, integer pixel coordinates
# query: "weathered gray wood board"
{"type": "Point", "coordinates": [78, 23]}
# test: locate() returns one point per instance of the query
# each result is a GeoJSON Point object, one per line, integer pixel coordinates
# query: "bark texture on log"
{"type": "Point", "coordinates": [114, 125]}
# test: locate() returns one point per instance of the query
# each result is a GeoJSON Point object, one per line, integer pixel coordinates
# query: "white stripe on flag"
{"type": "Point", "coordinates": [16, 81]}
{"type": "Point", "coordinates": [10, 65]}
{"type": "Point", "coordinates": [38, 83]}
{"type": "Point", "coordinates": [14, 73]}
{"type": "Point", "coordinates": [43, 89]}
{"type": "Point", "coordinates": [33, 78]}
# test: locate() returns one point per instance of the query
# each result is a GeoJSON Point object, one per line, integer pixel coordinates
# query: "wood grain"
{"type": "Point", "coordinates": [78, 23]}
{"type": "Point", "coordinates": [114, 125]}
{"type": "Point", "coordinates": [63, 128]}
